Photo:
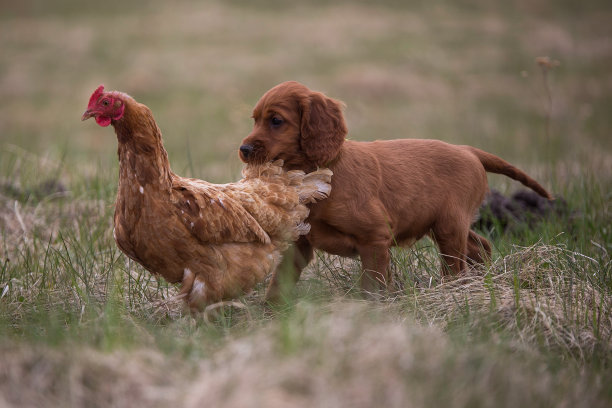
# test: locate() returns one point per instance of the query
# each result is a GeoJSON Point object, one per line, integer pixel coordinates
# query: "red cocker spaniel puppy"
{"type": "Point", "coordinates": [384, 193]}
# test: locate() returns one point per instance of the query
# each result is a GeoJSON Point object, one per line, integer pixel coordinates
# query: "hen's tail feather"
{"type": "Point", "coordinates": [315, 186]}
{"type": "Point", "coordinates": [494, 164]}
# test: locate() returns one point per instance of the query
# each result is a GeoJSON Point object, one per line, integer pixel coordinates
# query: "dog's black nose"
{"type": "Point", "coordinates": [245, 151]}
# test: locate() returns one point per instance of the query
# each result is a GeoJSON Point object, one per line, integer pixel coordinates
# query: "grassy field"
{"type": "Point", "coordinates": [81, 325]}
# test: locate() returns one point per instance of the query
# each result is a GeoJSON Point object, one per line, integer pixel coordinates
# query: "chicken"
{"type": "Point", "coordinates": [217, 240]}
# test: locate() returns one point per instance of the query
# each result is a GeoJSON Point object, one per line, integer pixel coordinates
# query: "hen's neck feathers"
{"type": "Point", "coordinates": [142, 157]}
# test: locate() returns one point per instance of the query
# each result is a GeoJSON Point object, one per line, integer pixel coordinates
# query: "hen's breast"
{"type": "Point", "coordinates": [151, 235]}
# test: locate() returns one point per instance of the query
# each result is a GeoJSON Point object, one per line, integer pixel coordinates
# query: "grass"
{"type": "Point", "coordinates": [81, 325]}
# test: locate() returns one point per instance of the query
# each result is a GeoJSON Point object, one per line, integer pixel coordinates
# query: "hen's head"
{"type": "Point", "coordinates": [104, 106]}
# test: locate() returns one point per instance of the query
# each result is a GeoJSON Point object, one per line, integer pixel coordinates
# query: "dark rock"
{"type": "Point", "coordinates": [525, 208]}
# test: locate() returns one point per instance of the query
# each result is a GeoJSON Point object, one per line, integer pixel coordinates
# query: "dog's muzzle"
{"type": "Point", "coordinates": [245, 151]}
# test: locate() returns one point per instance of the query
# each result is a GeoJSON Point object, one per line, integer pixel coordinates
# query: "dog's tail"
{"type": "Point", "coordinates": [494, 164]}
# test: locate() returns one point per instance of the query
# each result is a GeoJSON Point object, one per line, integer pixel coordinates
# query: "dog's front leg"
{"type": "Point", "coordinates": [288, 272]}
{"type": "Point", "coordinates": [375, 261]}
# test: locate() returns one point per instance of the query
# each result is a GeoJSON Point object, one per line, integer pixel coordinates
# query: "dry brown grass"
{"type": "Point", "coordinates": [347, 353]}
{"type": "Point", "coordinates": [354, 354]}
{"type": "Point", "coordinates": [540, 294]}
{"type": "Point", "coordinates": [40, 376]}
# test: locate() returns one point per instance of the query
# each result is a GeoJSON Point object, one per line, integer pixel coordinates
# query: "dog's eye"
{"type": "Point", "coordinates": [276, 121]}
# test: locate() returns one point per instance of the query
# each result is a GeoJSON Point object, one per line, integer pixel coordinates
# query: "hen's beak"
{"type": "Point", "coordinates": [87, 114]}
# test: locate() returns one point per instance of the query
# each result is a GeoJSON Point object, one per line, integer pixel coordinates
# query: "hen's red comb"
{"type": "Point", "coordinates": [95, 96]}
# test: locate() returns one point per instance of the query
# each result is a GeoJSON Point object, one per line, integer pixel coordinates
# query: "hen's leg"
{"type": "Point", "coordinates": [194, 290]}
{"type": "Point", "coordinates": [288, 272]}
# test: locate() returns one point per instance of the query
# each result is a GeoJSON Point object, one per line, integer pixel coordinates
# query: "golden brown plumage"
{"type": "Point", "coordinates": [218, 240]}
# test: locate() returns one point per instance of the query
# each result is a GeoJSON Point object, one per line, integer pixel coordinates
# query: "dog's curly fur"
{"type": "Point", "coordinates": [384, 193]}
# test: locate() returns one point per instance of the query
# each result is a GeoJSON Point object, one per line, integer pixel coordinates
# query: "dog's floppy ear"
{"type": "Point", "coordinates": [323, 128]}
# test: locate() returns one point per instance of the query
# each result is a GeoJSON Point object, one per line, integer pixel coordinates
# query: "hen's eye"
{"type": "Point", "coordinates": [276, 121]}
{"type": "Point", "coordinates": [105, 102]}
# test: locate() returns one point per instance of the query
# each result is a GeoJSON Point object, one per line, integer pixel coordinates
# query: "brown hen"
{"type": "Point", "coordinates": [218, 240]}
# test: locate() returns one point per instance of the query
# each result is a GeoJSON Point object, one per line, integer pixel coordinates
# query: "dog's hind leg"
{"type": "Point", "coordinates": [451, 238]}
{"type": "Point", "coordinates": [478, 249]}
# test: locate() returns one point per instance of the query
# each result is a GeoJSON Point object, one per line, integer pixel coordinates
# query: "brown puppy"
{"type": "Point", "coordinates": [384, 193]}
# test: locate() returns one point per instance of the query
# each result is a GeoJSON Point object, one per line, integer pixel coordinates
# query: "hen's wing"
{"type": "Point", "coordinates": [213, 216]}
{"type": "Point", "coordinates": [274, 207]}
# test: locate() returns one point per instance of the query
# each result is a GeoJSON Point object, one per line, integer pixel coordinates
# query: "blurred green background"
{"type": "Point", "coordinates": [460, 71]}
